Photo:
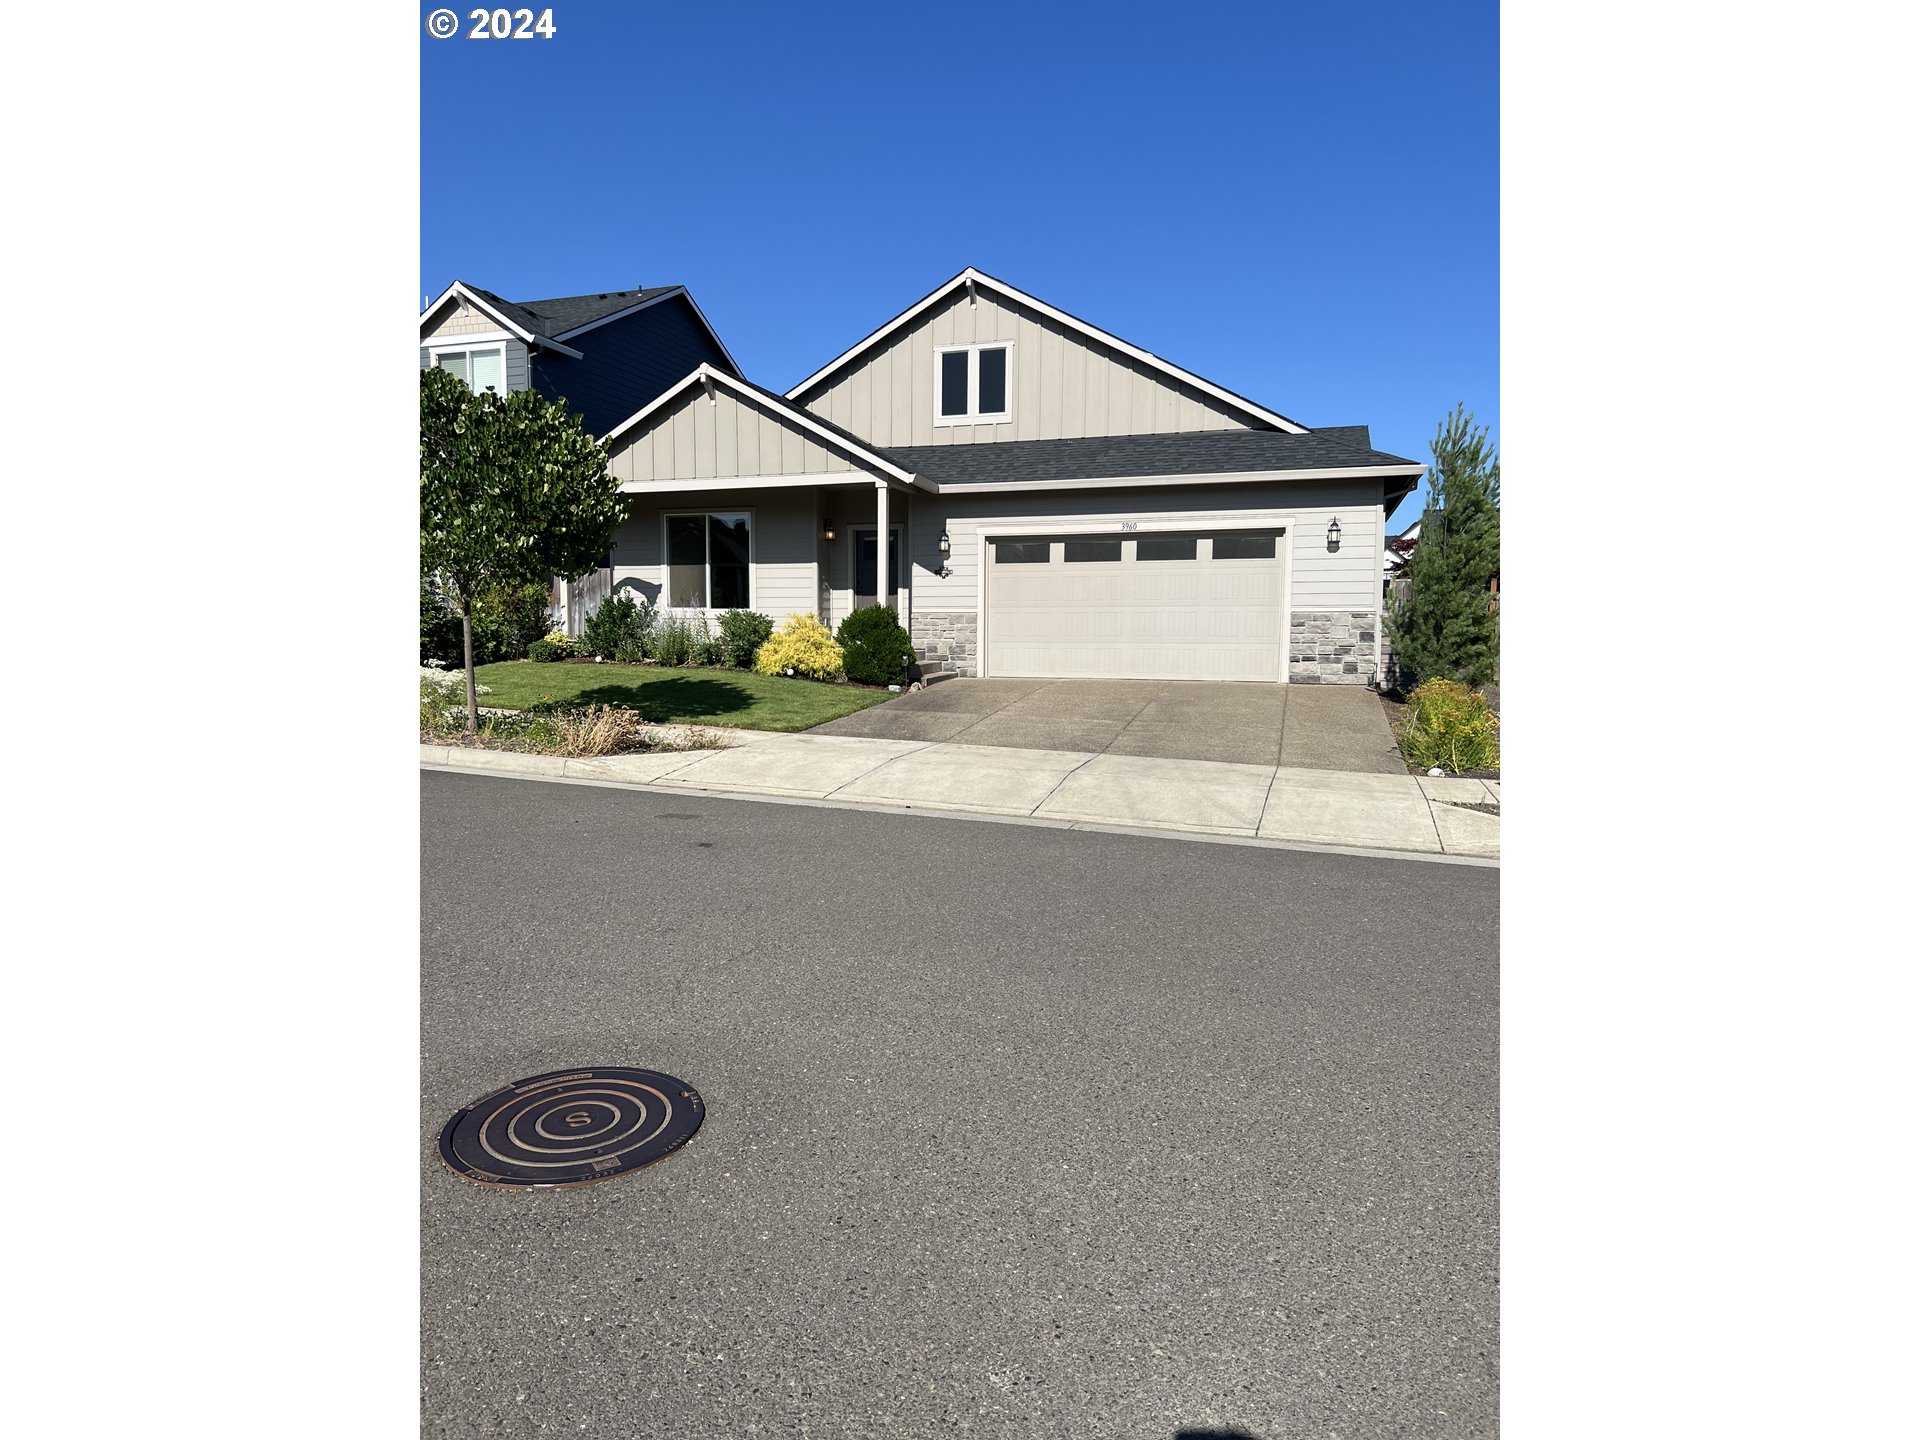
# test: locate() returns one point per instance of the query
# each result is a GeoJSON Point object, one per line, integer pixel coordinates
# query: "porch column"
{"type": "Point", "coordinates": [880, 543]}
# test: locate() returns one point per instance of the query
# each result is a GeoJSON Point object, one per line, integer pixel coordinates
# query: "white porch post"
{"type": "Point", "coordinates": [880, 543]}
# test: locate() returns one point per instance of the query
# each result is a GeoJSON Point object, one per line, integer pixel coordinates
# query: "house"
{"type": "Point", "coordinates": [1056, 502]}
{"type": "Point", "coordinates": [604, 354]}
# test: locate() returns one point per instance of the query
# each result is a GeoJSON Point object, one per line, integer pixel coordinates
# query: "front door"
{"type": "Point", "coordinates": [864, 568]}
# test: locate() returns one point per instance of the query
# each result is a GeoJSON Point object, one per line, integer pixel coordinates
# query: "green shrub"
{"type": "Point", "coordinates": [678, 639]}
{"type": "Point", "coordinates": [1450, 725]}
{"type": "Point", "coordinates": [804, 646]}
{"type": "Point", "coordinates": [876, 650]}
{"type": "Point", "coordinates": [505, 623]}
{"type": "Point", "coordinates": [544, 652]}
{"type": "Point", "coordinates": [439, 630]}
{"type": "Point", "coordinates": [619, 624]}
{"type": "Point", "coordinates": [742, 633]}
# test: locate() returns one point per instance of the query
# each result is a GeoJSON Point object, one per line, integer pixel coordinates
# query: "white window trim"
{"type": "Point", "coordinates": [973, 415]}
{"type": "Point", "coordinates": [706, 584]}
{"type": "Point", "coordinates": [499, 349]}
{"type": "Point", "coordinates": [466, 342]}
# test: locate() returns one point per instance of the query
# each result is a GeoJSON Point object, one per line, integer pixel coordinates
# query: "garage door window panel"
{"type": "Point", "coordinates": [1022, 552]}
{"type": "Point", "coordinates": [1092, 552]}
{"type": "Point", "coordinates": [1169, 547]}
{"type": "Point", "coordinates": [1243, 547]}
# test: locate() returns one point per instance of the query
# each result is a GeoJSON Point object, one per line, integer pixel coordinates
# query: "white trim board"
{"type": "Point", "coordinates": [458, 289]}
{"type": "Point", "coordinates": [971, 276]}
{"type": "Point", "coordinates": [473, 340]}
{"type": "Point", "coordinates": [747, 482]}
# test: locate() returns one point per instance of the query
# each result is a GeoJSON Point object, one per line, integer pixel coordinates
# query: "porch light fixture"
{"type": "Point", "coordinates": [946, 549]}
{"type": "Point", "coordinates": [1333, 534]}
{"type": "Point", "coordinates": [826, 531]}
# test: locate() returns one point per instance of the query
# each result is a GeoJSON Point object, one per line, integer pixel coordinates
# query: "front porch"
{"type": "Point", "coordinates": [779, 549]}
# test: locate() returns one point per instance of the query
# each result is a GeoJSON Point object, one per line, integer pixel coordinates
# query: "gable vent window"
{"type": "Point", "coordinates": [974, 384]}
{"type": "Point", "coordinates": [481, 369]}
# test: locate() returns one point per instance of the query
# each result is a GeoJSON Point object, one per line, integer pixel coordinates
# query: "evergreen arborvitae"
{"type": "Point", "coordinates": [1447, 627]}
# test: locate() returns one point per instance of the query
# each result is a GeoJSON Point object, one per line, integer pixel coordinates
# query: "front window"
{"type": "Point", "coordinates": [974, 384]}
{"type": "Point", "coordinates": [707, 561]}
{"type": "Point", "coordinates": [481, 369]}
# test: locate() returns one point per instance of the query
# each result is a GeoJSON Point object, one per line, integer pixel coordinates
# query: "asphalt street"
{"type": "Point", "coordinates": [1010, 1131]}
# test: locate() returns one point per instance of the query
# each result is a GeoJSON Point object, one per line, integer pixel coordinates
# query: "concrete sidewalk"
{"type": "Point", "coordinates": [1207, 797]}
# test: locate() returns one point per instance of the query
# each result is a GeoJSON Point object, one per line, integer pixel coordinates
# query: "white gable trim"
{"type": "Point", "coordinates": [708, 376]}
{"type": "Point", "coordinates": [679, 292]}
{"type": "Point", "coordinates": [971, 277]}
{"type": "Point", "coordinates": [459, 291]}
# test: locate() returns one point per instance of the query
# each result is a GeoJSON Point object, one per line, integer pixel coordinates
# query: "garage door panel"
{"type": "Point", "coordinates": [1165, 618]}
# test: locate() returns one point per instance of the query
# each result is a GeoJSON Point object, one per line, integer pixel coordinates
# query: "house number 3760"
{"type": "Point", "coordinates": [510, 25]}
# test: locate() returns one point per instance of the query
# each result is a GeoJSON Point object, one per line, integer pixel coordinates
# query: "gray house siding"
{"type": "Point", "coordinates": [627, 363]}
{"type": "Point", "coordinates": [1063, 384]}
{"type": "Point", "coordinates": [784, 531]}
{"type": "Point", "coordinates": [694, 439]}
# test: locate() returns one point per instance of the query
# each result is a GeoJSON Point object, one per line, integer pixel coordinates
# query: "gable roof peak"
{"type": "Point", "coordinates": [972, 276]}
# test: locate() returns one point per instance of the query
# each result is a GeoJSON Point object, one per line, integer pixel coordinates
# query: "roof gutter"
{"type": "Point", "coordinates": [1116, 482]}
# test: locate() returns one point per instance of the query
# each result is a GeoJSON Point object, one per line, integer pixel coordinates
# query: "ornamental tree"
{"type": "Point", "coordinates": [512, 491]}
{"type": "Point", "coordinates": [1447, 626]}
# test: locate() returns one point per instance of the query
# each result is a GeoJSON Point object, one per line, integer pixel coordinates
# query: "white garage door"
{"type": "Point", "coordinates": [1200, 605]}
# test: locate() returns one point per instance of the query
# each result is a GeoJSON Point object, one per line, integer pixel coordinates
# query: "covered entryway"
{"type": "Point", "coordinates": [1170, 605]}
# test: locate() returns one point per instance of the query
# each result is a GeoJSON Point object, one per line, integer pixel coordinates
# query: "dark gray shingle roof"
{"type": "Point", "coordinates": [1203, 452]}
{"type": "Point", "coordinates": [549, 318]}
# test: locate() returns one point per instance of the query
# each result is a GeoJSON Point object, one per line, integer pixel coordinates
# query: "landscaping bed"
{"type": "Point", "coordinates": [669, 695]}
{"type": "Point", "coordinates": [1395, 705]}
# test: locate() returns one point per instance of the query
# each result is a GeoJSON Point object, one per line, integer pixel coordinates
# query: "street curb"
{"type": "Point", "coordinates": [457, 760]}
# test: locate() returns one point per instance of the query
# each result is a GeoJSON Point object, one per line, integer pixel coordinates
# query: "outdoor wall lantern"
{"type": "Point", "coordinates": [826, 531]}
{"type": "Point", "coordinates": [946, 549]}
{"type": "Point", "coordinates": [1333, 534]}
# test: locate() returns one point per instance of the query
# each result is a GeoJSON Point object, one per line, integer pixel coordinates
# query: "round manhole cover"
{"type": "Point", "coordinates": [570, 1127]}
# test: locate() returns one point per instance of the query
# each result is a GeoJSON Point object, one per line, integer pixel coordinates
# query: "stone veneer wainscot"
{"type": "Point", "coordinates": [1332, 647]}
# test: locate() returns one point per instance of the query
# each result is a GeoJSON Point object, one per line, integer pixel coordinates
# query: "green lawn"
{"type": "Point", "coordinates": [735, 698]}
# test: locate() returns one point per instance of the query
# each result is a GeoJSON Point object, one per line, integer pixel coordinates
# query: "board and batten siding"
{"type": "Point", "coordinates": [1064, 384]}
{"type": "Point", "coordinates": [1347, 579]}
{"type": "Point", "coordinates": [692, 439]}
{"type": "Point", "coordinates": [784, 530]}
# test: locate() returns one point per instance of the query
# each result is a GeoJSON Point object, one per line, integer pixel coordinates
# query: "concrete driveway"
{"type": "Point", "coordinates": [1318, 727]}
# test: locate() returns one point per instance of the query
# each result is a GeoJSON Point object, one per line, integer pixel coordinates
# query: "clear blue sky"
{"type": "Point", "coordinates": [1300, 202]}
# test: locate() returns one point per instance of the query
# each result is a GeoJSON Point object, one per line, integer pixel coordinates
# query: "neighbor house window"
{"type": "Point", "coordinates": [974, 384]}
{"type": "Point", "coordinates": [481, 369]}
{"type": "Point", "coordinates": [707, 561]}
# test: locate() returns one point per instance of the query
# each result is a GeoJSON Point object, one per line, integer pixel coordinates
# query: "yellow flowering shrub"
{"type": "Point", "coordinates": [1450, 725]}
{"type": "Point", "coordinates": [804, 646]}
